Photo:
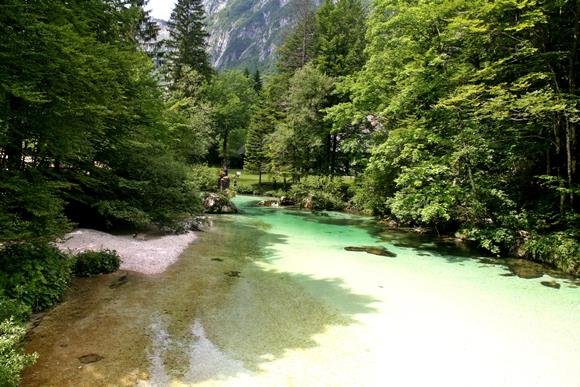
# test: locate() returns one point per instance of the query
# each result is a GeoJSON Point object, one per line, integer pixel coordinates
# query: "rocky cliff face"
{"type": "Point", "coordinates": [245, 33]}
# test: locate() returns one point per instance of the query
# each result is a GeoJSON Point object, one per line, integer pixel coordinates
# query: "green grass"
{"type": "Point", "coordinates": [247, 179]}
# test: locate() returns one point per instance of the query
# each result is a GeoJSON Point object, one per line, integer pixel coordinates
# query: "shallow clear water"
{"type": "Point", "coordinates": [271, 298]}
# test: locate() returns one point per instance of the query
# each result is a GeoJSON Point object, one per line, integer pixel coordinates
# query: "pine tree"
{"type": "Point", "coordinates": [187, 41]}
{"type": "Point", "coordinates": [257, 81]}
{"type": "Point", "coordinates": [146, 30]}
{"type": "Point", "coordinates": [340, 40]}
{"type": "Point", "coordinates": [262, 124]}
{"type": "Point", "coordinates": [299, 47]}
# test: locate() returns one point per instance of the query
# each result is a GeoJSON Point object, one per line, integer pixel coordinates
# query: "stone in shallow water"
{"type": "Point", "coordinates": [376, 250]}
{"type": "Point", "coordinates": [218, 204]}
{"type": "Point", "coordinates": [269, 203]}
{"type": "Point", "coordinates": [551, 284]}
{"type": "Point", "coordinates": [525, 269]}
{"type": "Point", "coordinates": [90, 358]}
{"type": "Point", "coordinates": [122, 280]}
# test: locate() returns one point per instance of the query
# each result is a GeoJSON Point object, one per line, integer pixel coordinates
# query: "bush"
{"type": "Point", "coordinates": [205, 178]}
{"type": "Point", "coordinates": [246, 190]}
{"type": "Point", "coordinates": [91, 263]}
{"type": "Point", "coordinates": [12, 358]}
{"type": "Point", "coordinates": [278, 193]}
{"type": "Point", "coordinates": [14, 309]}
{"type": "Point", "coordinates": [35, 274]}
{"type": "Point", "coordinates": [321, 193]}
{"type": "Point", "coordinates": [559, 249]}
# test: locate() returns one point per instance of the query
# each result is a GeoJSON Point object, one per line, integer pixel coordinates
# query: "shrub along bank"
{"type": "Point", "coordinates": [33, 278]}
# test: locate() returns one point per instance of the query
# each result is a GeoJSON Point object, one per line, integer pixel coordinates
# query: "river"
{"type": "Point", "coordinates": [271, 297]}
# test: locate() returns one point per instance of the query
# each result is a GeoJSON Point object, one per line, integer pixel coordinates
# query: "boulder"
{"type": "Point", "coordinates": [269, 203]}
{"type": "Point", "coordinates": [286, 201]}
{"type": "Point", "coordinates": [215, 203]}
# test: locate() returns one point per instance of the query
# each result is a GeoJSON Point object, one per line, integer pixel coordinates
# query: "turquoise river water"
{"type": "Point", "coordinates": [271, 297]}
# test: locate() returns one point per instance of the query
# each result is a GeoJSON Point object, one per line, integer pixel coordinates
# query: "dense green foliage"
{"type": "Point", "coordinates": [90, 263]}
{"type": "Point", "coordinates": [35, 274]}
{"type": "Point", "coordinates": [459, 116]}
{"type": "Point", "coordinates": [473, 103]}
{"type": "Point", "coordinates": [204, 177]}
{"type": "Point", "coordinates": [84, 132]}
{"type": "Point", "coordinates": [231, 95]}
{"type": "Point", "coordinates": [11, 308]}
{"type": "Point", "coordinates": [324, 48]}
{"type": "Point", "coordinates": [12, 358]}
{"type": "Point", "coordinates": [321, 193]}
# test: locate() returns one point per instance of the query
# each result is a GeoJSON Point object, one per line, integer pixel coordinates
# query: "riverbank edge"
{"type": "Point", "coordinates": [517, 251]}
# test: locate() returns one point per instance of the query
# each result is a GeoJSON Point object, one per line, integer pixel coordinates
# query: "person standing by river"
{"type": "Point", "coordinates": [224, 180]}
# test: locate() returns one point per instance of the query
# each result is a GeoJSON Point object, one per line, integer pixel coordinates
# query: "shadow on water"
{"type": "Point", "coordinates": [459, 251]}
{"type": "Point", "coordinates": [452, 250]}
{"type": "Point", "coordinates": [197, 321]}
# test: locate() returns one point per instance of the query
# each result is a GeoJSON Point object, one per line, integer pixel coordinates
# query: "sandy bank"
{"type": "Point", "coordinates": [151, 256]}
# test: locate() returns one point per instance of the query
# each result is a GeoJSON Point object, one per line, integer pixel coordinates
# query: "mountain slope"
{"type": "Point", "coordinates": [245, 33]}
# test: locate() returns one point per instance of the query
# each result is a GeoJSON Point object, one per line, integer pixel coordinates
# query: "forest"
{"type": "Point", "coordinates": [457, 117]}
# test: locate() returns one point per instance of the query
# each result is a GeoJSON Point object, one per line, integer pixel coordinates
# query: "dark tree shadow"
{"type": "Point", "coordinates": [195, 322]}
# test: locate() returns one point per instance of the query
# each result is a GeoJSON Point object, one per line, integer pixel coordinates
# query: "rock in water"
{"type": "Point", "coordinates": [376, 250]}
{"type": "Point", "coordinates": [122, 280]}
{"type": "Point", "coordinates": [215, 203]}
{"type": "Point", "coordinates": [90, 358]}
{"type": "Point", "coordinates": [269, 203]}
{"type": "Point", "coordinates": [551, 284]}
{"type": "Point", "coordinates": [286, 201]}
{"type": "Point", "coordinates": [525, 269]}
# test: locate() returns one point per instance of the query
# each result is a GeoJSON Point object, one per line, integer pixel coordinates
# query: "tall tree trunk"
{"type": "Point", "coordinates": [571, 126]}
{"type": "Point", "coordinates": [225, 148]}
{"type": "Point", "coordinates": [14, 136]}
{"type": "Point", "coordinates": [333, 155]}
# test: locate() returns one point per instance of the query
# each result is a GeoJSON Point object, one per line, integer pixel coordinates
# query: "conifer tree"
{"type": "Point", "coordinates": [257, 81]}
{"type": "Point", "coordinates": [300, 45]}
{"type": "Point", "coordinates": [262, 124]}
{"type": "Point", "coordinates": [187, 41]}
{"type": "Point", "coordinates": [340, 39]}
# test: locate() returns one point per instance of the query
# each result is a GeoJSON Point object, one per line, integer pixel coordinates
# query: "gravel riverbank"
{"type": "Point", "coordinates": [151, 255]}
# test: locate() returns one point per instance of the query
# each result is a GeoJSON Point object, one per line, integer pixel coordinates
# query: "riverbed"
{"type": "Point", "coordinates": [270, 297]}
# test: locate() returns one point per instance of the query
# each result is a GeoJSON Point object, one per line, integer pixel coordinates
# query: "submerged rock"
{"type": "Point", "coordinates": [525, 269]}
{"type": "Point", "coordinates": [389, 223]}
{"type": "Point", "coordinates": [214, 203]}
{"type": "Point", "coordinates": [122, 280]}
{"type": "Point", "coordinates": [551, 284]}
{"type": "Point", "coordinates": [376, 250]}
{"type": "Point", "coordinates": [90, 358]}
